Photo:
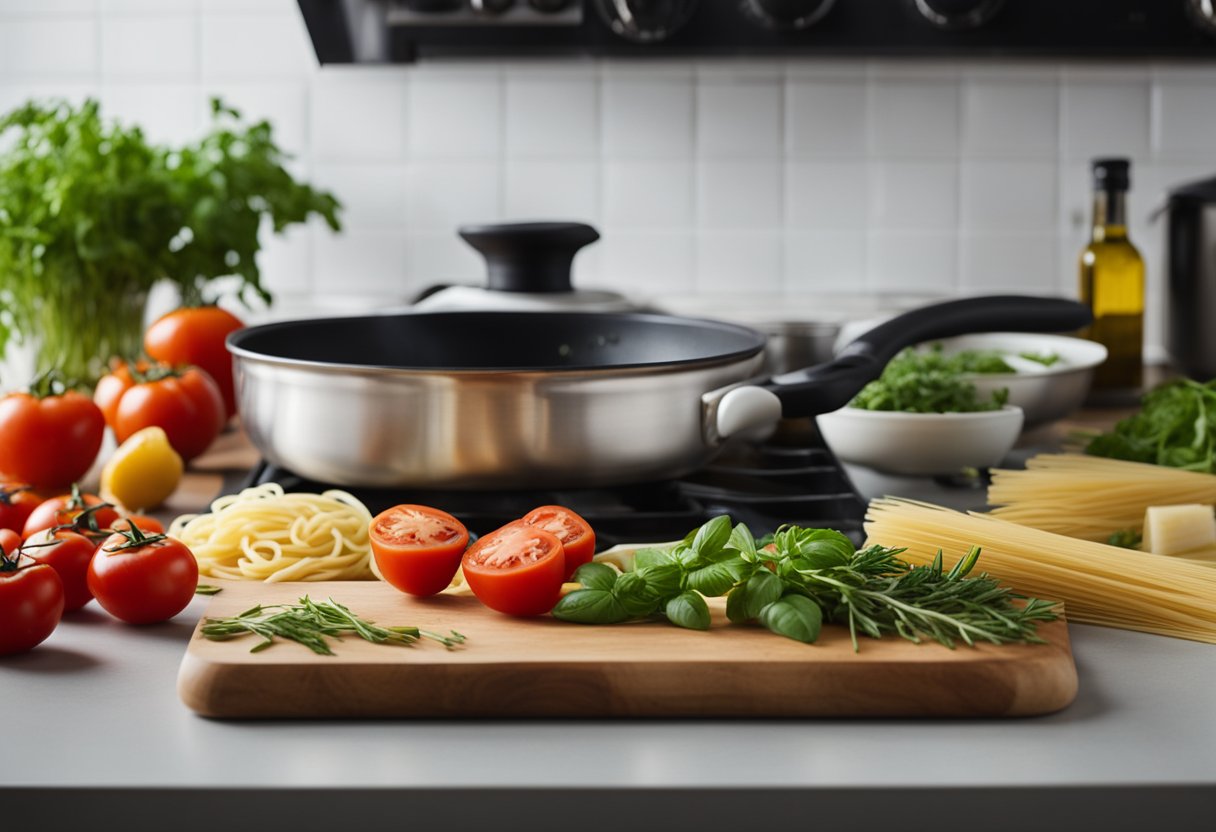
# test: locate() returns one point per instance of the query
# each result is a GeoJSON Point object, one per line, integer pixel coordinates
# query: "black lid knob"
{"type": "Point", "coordinates": [529, 256]}
{"type": "Point", "coordinates": [1112, 174]}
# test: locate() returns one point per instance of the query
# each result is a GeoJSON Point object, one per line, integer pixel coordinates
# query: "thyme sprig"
{"type": "Point", "coordinates": [798, 578]}
{"type": "Point", "coordinates": [312, 623]}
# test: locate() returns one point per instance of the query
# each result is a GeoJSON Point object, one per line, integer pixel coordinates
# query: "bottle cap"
{"type": "Point", "coordinates": [1112, 174]}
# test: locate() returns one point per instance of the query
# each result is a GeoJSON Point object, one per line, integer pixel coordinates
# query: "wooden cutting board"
{"type": "Point", "coordinates": [541, 667]}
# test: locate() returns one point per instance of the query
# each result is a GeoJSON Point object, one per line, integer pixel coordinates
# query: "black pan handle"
{"type": "Point", "coordinates": [826, 387]}
{"type": "Point", "coordinates": [529, 256]}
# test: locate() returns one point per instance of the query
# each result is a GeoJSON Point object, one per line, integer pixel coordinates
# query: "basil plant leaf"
{"type": "Point", "coordinates": [596, 576]}
{"type": "Point", "coordinates": [689, 610]}
{"type": "Point", "coordinates": [711, 537]}
{"type": "Point", "coordinates": [590, 606]}
{"type": "Point", "coordinates": [636, 595]}
{"type": "Point", "coordinates": [794, 616]}
{"type": "Point", "coordinates": [713, 580]}
{"type": "Point", "coordinates": [664, 579]}
{"type": "Point", "coordinates": [647, 558]}
{"type": "Point", "coordinates": [763, 588]}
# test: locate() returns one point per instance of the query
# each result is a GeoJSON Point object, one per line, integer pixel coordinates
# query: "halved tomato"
{"type": "Point", "coordinates": [575, 533]}
{"type": "Point", "coordinates": [417, 548]}
{"type": "Point", "coordinates": [517, 569]}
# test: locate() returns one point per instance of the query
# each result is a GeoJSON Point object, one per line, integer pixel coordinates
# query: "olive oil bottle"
{"type": "Point", "coordinates": [1112, 281]}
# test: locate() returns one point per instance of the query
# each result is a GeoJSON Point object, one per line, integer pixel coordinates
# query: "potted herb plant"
{"type": "Point", "coordinates": [92, 215]}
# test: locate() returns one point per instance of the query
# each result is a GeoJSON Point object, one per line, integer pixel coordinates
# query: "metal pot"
{"type": "Point", "coordinates": [460, 400]}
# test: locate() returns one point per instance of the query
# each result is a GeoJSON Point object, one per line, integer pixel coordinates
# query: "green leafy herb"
{"type": "Point", "coordinates": [313, 623]}
{"type": "Point", "coordinates": [1176, 427]}
{"type": "Point", "coordinates": [796, 579]}
{"type": "Point", "coordinates": [1125, 539]}
{"type": "Point", "coordinates": [1047, 359]}
{"type": "Point", "coordinates": [93, 214]}
{"type": "Point", "coordinates": [928, 381]}
{"type": "Point", "coordinates": [208, 589]}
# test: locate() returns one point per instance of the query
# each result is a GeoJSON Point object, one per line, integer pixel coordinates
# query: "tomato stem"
{"type": "Point", "coordinates": [134, 538]}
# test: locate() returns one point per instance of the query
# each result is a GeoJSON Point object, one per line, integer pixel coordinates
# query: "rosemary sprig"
{"type": "Point", "coordinates": [312, 623]}
{"type": "Point", "coordinates": [798, 578]}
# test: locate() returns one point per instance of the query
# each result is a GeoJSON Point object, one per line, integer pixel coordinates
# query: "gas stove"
{"type": "Point", "coordinates": [791, 478]}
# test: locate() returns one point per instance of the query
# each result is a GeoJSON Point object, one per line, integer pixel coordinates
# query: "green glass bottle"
{"type": "Point", "coordinates": [1112, 281]}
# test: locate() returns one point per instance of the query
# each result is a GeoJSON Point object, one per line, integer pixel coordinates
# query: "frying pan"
{"type": "Point", "coordinates": [470, 400]}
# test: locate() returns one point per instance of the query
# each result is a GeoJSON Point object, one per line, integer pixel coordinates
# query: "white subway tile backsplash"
{"type": "Point", "coordinates": [552, 191]}
{"type": "Point", "coordinates": [820, 195]}
{"type": "Point", "coordinates": [915, 195]}
{"type": "Point", "coordinates": [149, 47]}
{"type": "Point", "coordinates": [359, 113]}
{"type": "Point", "coordinates": [827, 118]}
{"type": "Point", "coordinates": [255, 47]}
{"type": "Point", "coordinates": [359, 262]}
{"type": "Point", "coordinates": [457, 117]}
{"type": "Point", "coordinates": [373, 196]}
{"type": "Point", "coordinates": [1010, 120]}
{"type": "Point", "coordinates": [51, 48]}
{"type": "Point", "coordinates": [1105, 118]}
{"type": "Point", "coordinates": [166, 112]}
{"type": "Point", "coordinates": [739, 120]}
{"type": "Point", "coordinates": [915, 117]}
{"type": "Point", "coordinates": [282, 103]}
{"type": "Point", "coordinates": [439, 196]}
{"type": "Point", "coordinates": [825, 261]}
{"type": "Point", "coordinates": [285, 260]}
{"type": "Point", "coordinates": [1185, 124]}
{"type": "Point", "coordinates": [1009, 196]}
{"type": "Point", "coordinates": [739, 194]}
{"type": "Point", "coordinates": [120, 7]}
{"type": "Point", "coordinates": [648, 194]}
{"type": "Point", "coordinates": [1019, 263]}
{"type": "Point", "coordinates": [440, 257]}
{"type": "Point", "coordinates": [734, 262]}
{"type": "Point", "coordinates": [649, 263]}
{"type": "Point", "coordinates": [550, 117]}
{"type": "Point", "coordinates": [647, 118]}
{"type": "Point", "coordinates": [912, 261]}
{"type": "Point", "coordinates": [47, 8]}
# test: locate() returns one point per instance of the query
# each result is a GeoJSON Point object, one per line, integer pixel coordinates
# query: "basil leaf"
{"type": "Point", "coordinates": [596, 576]}
{"type": "Point", "coordinates": [826, 548]}
{"type": "Point", "coordinates": [636, 595]}
{"type": "Point", "coordinates": [590, 606]}
{"type": "Point", "coordinates": [647, 558]}
{"type": "Point", "coordinates": [689, 610]}
{"type": "Point", "coordinates": [687, 557]}
{"type": "Point", "coordinates": [794, 616]}
{"type": "Point", "coordinates": [711, 537]}
{"type": "Point", "coordinates": [736, 605]}
{"type": "Point", "coordinates": [715, 579]}
{"type": "Point", "coordinates": [741, 541]}
{"type": "Point", "coordinates": [763, 588]}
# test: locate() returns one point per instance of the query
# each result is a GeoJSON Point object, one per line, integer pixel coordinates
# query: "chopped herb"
{"type": "Point", "coordinates": [1175, 427]}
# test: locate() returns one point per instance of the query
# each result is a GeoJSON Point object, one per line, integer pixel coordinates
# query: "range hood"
{"type": "Point", "coordinates": [402, 31]}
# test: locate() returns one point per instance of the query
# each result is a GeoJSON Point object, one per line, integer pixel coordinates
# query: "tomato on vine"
{"type": "Point", "coordinates": [49, 435]}
{"type": "Point", "coordinates": [183, 401]}
{"type": "Point", "coordinates": [140, 578]}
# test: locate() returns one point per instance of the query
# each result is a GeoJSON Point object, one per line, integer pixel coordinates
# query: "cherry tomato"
{"type": "Point", "coordinates": [64, 509]}
{"type": "Point", "coordinates": [31, 602]}
{"type": "Point", "coordinates": [143, 579]}
{"type": "Point", "coordinates": [517, 569]}
{"type": "Point", "coordinates": [185, 403]}
{"type": "Point", "coordinates": [575, 533]}
{"type": "Point", "coordinates": [196, 336]}
{"type": "Point", "coordinates": [418, 548]}
{"type": "Point", "coordinates": [68, 553]}
{"type": "Point", "coordinates": [147, 525]}
{"type": "Point", "coordinates": [49, 436]}
{"type": "Point", "coordinates": [17, 501]}
{"type": "Point", "coordinates": [9, 541]}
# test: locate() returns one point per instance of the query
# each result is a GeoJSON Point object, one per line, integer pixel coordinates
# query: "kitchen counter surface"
{"type": "Point", "coordinates": [95, 730]}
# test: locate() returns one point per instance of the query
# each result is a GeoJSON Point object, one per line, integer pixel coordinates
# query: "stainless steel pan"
{"type": "Point", "coordinates": [461, 400]}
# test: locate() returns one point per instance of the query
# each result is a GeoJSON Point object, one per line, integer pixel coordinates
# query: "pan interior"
{"type": "Point", "coordinates": [499, 341]}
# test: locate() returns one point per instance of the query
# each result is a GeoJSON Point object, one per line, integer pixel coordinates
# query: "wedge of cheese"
{"type": "Point", "coordinates": [1172, 530]}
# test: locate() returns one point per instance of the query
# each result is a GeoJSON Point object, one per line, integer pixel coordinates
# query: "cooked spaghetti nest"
{"type": "Point", "coordinates": [266, 534]}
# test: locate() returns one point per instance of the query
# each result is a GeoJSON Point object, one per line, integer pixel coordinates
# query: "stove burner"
{"type": "Point", "coordinates": [763, 485]}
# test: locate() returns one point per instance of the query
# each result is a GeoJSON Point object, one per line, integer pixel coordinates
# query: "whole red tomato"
{"type": "Point", "coordinates": [196, 336]}
{"type": "Point", "coordinates": [68, 553]}
{"type": "Point", "coordinates": [49, 436]}
{"type": "Point", "coordinates": [31, 601]}
{"type": "Point", "coordinates": [65, 509]}
{"type": "Point", "coordinates": [17, 501]}
{"type": "Point", "coordinates": [142, 579]}
{"type": "Point", "coordinates": [184, 402]}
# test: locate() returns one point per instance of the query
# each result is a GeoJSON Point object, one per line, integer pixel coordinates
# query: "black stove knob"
{"type": "Point", "coordinates": [490, 7]}
{"type": "Point", "coordinates": [790, 14]}
{"type": "Point", "coordinates": [958, 14]}
{"type": "Point", "coordinates": [1203, 13]}
{"type": "Point", "coordinates": [548, 6]}
{"type": "Point", "coordinates": [646, 21]}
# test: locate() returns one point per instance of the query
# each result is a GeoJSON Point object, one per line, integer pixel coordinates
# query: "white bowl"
{"type": "Point", "coordinates": [921, 444]}
{"type": "Point", "coordinates": [1045, 394]}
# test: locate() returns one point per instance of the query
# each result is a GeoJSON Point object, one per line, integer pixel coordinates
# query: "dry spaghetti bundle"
{"type": "Point", "coordinates": [1099, 584]}
{"type": "Point", "coordinates": [264, 534]}
{"type": "Point", "coordinates": [1091, 497]}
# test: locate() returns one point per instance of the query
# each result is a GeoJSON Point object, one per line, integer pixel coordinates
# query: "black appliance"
{"type": "Point", "coordinates": [397, 31]}
{"type": "Point", "coordinates": [792, 478]}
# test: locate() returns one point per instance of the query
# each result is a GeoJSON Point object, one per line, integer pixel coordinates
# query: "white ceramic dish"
{"type": "Point", "coordinates": [1044, 393]}
{"type": "Point", "coordinates": [921, 444]}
